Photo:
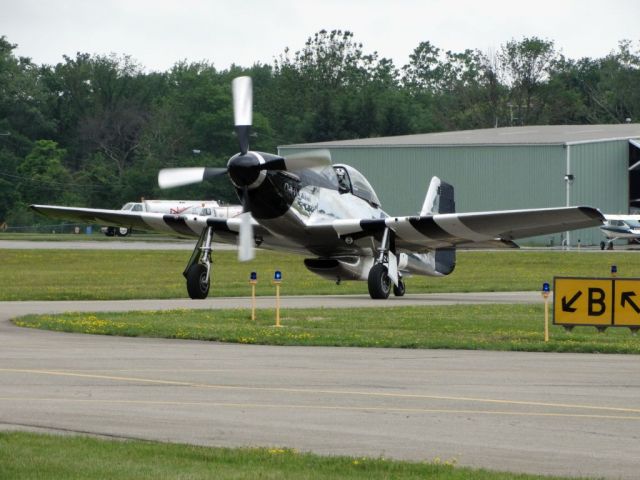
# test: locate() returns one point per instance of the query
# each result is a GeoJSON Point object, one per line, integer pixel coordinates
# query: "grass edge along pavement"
{"type": "Point", "coordinates": [468, 327]}
{"type": "Point", "coordinates": [125, 274]}
{"type": "Point", "coordinates": [26, 456]}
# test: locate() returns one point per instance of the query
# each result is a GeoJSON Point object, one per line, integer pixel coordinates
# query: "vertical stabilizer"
{"type": "Point", "coordinates": [439, 198]}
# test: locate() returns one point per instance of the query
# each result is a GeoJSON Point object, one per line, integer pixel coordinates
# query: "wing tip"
{"type": "Point", "coordinates": [593, 213]}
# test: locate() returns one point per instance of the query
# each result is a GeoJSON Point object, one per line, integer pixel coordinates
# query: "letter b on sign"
{"type": "Point", "coordinates": [597, 305]}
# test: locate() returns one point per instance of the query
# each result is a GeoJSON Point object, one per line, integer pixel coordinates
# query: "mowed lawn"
{"type": "Point", "coordinates": [109, 274]}
{"type": "Point", "coordinates": [470, 327]}
{"type": "Point", "coordinates": [28, 456]}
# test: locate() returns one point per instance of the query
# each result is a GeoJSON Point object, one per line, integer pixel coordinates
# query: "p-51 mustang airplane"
{"type": "Point", "coordinates": [330, 213]}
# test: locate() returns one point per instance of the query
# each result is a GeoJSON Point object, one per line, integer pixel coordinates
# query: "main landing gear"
{"type": "Point", "coordinates": [117, 231]}
{"type": "Point", "coordinates": [608, 245]}
{"type": "Point", "coordinates": [198, 270]}
{"type": "Point", "coordinates": [384, 274]}
{"type": "Point", "coordinates": [379, 281]}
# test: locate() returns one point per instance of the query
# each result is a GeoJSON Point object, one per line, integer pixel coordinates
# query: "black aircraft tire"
{"type": "Point", "coordinates": [399, 290]}
{"type": "Point", "coordinates": [379, 282]}
{"type": "Point", "coordinates": [602, 245]}
{"type": "Point", "coordinates": [197, 288]}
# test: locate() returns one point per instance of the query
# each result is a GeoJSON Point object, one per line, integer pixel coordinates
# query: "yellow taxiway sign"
{"type": "Point", "coordinates": [627, 302]}
{"type": "Point", "coordinates": [582, 301]}
{"type": "Point", "coordinates": [600, 302]}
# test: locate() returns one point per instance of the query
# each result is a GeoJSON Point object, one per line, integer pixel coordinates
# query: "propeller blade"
{"type": "Point", "coordinates": [177, 177]}
{"type": "Point", "coordinates": [298, 161]}
{"type": "Point", "coordinates": [245, 199]}
{"type": "Point", "coordinates": [212, 172]}
{"type": "Point", "coordinates": [242, 91]}
{"type": "Point", "coordinates": [311, 159]}
{"type": "Point", "coordinates": [246, 249]}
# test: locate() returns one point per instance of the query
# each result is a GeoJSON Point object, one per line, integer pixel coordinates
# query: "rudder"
{"type": "Point", "coordinates": [439, 198]}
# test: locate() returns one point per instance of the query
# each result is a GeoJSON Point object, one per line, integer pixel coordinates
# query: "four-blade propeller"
{"type": "Point", "coordinates": [247, 169]}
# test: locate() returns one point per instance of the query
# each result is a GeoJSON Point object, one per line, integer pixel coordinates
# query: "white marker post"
{"type": "Point", "coordinates": [277, 278]}
{"type": "Point", "coordinates": [253, 279]}
{"type": "Point", "coordinates": [545, 296]}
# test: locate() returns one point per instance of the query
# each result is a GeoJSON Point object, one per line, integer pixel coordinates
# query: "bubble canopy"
{"type": "Point", "coordinates": [356, 183]}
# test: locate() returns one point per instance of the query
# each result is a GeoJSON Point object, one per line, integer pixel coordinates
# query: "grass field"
{"type": "Point", "coordinates": [28, 456]}
{"type": "Point", "coordinates": [105, 274]}
{"type": "Point", "coordinates": [473, 327]}
{"type": "Point", "coordinates": [79, 274]}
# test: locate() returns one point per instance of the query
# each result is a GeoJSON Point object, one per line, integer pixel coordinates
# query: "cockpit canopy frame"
{"type": "Point", "coordinates": [355, 183]}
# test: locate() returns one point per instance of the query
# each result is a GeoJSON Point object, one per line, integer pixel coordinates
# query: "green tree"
{"type": "Point", "coordinates": [332, 89]}
{"type": "Point", "coordinates": [23, 117]}
{"type": "Point", "coordinates": [23, 98]}
{"type": "Point", "coordinates": [527, 65]}
{"type": "Point", "coordinates": [612, 85]}
{"type": "Point", "coordinates": [98, 183]}
{"type": "Point", "coordinates": [43, 177]}
{"type": "Point", "coordinates": [425, 70]}
{"type": "Point", "coordinates": [454, 90]}
{"type": "Point", "coordinates": [119, 112]}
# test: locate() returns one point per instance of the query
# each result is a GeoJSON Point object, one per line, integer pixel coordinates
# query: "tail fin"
{"type": "Point", "coordinates": [439, 198]}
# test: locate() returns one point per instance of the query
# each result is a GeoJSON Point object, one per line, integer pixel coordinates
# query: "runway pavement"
{"type": "Point", "coordinates": [12, 309]}
{"type": "Point", "coordinates": [563, 414]}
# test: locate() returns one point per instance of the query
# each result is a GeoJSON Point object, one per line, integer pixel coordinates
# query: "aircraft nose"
{"type": "Point", "coordinates": [244, 170]}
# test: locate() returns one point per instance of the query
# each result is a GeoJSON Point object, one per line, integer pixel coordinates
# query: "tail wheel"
{"type": "Point", "coordinates": [197, 283]}
{"type": "Point", "coordinates": [379, 282]}
{"type": "Point", "coordinates": [398, 291]}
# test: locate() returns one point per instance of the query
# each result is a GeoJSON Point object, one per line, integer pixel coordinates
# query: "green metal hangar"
{"type": "Point", "coordinates": [503, 169]}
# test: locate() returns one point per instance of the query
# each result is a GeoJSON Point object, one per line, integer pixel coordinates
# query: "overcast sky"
{"type": "Point", "coordinates": [157, 33]}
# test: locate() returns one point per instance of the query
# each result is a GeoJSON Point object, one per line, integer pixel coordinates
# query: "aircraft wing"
{"type": "Point", "coordinates": [471, 230]}
{"type": "Point", "coordinates": [183, 225]}
{"type": "Point", "coordinates": [180, 225]}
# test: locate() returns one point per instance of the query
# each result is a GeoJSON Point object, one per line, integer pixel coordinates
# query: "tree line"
{"type": "Point", "coordinates": [94, 130]}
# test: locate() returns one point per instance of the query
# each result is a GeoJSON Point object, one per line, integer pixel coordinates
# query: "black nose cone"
{"type": "Point", "coordinates": [244, 170]}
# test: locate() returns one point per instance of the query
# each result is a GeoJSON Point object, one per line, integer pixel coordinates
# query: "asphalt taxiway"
{"type": "Point", "coordinates": [563, 414]}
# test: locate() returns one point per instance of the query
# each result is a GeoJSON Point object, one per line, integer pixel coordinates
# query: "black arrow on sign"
{"type": "Point", "coordinates": [566, 306]}
{"type": "Point", "coordinates": [626, 298]}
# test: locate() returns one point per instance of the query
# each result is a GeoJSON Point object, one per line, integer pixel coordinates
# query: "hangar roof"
{"type": "Point", "coordinates": [531, 135]}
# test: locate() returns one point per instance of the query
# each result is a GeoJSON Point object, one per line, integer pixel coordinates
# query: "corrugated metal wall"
{"type": "Point", "coordinates": [496, 177]}
{"type": "Point", "coordinates": [601, 181]}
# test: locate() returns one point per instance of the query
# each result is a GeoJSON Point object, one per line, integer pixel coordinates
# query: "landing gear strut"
{"type": "Point", "coordinates": [385, 273]}
{"type": "Point", "coordinates": [198, 270]}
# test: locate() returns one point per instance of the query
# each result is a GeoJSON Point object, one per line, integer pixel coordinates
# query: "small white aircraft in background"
{"type": "Point", "coordinates": [331, 214]}
{"type": "Point", "coordinates": [208, 208]}
{"type": "Point", "coordinates": [619, 226]}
